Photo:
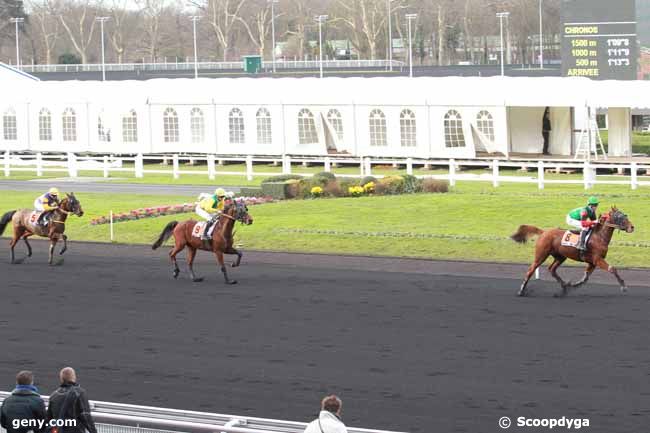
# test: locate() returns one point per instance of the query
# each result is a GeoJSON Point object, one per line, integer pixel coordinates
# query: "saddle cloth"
{"type": "Point", "coordinates": [199, 227]}
{"type": "Point", "coordinates": [33, 217]}
{"type": "Point", "coordinates": [572, 239]}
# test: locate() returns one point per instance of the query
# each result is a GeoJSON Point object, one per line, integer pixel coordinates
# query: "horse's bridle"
{"type": "Point", "coordinates": [615, 226]}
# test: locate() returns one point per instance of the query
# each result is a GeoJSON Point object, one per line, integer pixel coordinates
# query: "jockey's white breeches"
{"type": "Point", "coordinates": [38, 205]}
{"type": "Point", "coordinates": [574, 223]}
{"type": "Point", "coordinates": [202, 213]}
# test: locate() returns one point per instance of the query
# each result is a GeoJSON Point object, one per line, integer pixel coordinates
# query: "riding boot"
{"type": "Point", "coordinates": [583, 237]}
{"type": "Point", "coordinates": [208, 224]}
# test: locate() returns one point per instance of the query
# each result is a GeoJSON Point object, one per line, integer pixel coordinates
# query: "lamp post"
{"type": "Point", "coordinates": [541, 35]}
{"type": "Point", "coordinates": [390, 36]}
{"type": "Point", "coordinates": [17, 21]}
{"type": "Point", "coordinates": [102, 20]}
{"type": "Point", "coordinates": [196, 60]}
{"type": "Point", "coordinates": [410, 18]}
{"type": "Point", "coordinates": [320, 19]}
{"type": "Point", "coordinates": [273, 2]}
{"type": "Point", "coordinates": [501, 16]}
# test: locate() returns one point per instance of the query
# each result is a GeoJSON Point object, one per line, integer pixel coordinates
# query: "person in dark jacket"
{"type": "Point", "coordinates": [24, 403]}
{"type": "Point", "coordinates": [69, 402]}
{"type": "Point", "coordinates": [546, 129]}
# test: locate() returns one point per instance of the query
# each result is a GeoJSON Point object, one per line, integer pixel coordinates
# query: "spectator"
{"type": "Point", "coordinates": [69, 402]}
{"type": "Point", "coordinates": [546, 129]}
{"type": "Point", "coordinates": [329, 418]}
{"type": "Point", "coordinates": [24, 403]}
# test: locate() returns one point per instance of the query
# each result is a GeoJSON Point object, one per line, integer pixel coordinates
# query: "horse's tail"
{"type": "Point", "coordinates": [5, 220]}
{"type": "Point", "coordinates": [525, 232]}
{"type": "Point", "coordinates": [166, 234]}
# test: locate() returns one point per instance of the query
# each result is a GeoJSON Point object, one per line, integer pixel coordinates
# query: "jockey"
{"type": "Point", "coordinates": [209, 209]}
{"type": "Point", "coordinates": [584, 218]}
{"type": "Point", "coordinates": [45, 204]}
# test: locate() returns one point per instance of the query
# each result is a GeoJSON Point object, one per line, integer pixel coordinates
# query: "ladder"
{"type": "Point", "coordinates": [589, 140]}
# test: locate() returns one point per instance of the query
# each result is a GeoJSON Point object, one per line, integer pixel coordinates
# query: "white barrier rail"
{"type": "Point", "coordinates": [214, 166]}
{"type": "Point", "coordinates": [126, 418]}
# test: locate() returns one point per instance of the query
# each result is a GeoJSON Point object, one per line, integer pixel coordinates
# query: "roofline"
{"type": "Point", "coordinates": [19, 72]}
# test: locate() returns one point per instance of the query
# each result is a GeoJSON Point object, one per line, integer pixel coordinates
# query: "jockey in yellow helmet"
{"type": "Point", "coordinates": [45, 204]}
{"type": "Point", "coordinates": [209, 209]}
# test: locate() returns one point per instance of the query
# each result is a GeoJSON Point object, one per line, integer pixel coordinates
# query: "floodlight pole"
{"type": "Point", "coordinates": [390, 37]}
{"type": "Point", "coordinates": [196, 60]}
{"type": "Point", "coordinates": [320, 19]}
{"type": "Point", "coordinates": [102, 20]}
{"type": "Point", "coordinates": [410, 18]}
{"type": "Point", "coordinates": [17, 21]}
{"type": "Point", "coordinates": [273, 2]}
{"type": "Point", "coordinates": [541, 36]}
{"type": "Point", "coordinates": [501, 16]}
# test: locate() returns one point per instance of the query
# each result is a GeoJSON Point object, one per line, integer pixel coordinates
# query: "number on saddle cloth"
{"type": "Point", "coordinates": [571, 239]}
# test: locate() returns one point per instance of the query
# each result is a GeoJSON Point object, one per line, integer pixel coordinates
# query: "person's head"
{"type": "Point", "coordinates": [332, 404]}
{"type": "Point", "coordinates": [593, 202]}
{"type": "Point", "coordinates": [68, 375]}
{"type": "Point", "coordinates": [25, 378]}
{"type": "Point", "coordinates": [220, 193]}
{"type": "Point", "coordinates": [547, 111]}
{"type": "Point", "coordinates": [54, 192]}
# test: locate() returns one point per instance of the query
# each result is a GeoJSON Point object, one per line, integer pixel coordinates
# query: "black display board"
{"type": "Point", "coordinates": [599, 39]}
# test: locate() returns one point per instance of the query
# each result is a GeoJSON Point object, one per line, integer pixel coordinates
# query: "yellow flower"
{"type": "Point", "coordinates": [316, 191]}
{"type": "Point", "coordinates": [355, 191]}
{"type": "Point", "coordinates": [369, 187]}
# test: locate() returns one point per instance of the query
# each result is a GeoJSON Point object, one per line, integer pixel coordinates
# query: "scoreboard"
{"type": "Point", "coordinates": [599, 39]}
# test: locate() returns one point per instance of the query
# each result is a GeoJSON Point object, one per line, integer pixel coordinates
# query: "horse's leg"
{"type": "Point", "coordinates": [53, 240]}
{"type": "Point", "coordinates": [219, 255]}
{"type": "Point", "coordinates": [553, 269]}
{"type": "Point", "coordinates": [233, 250]}
{"type": "Point", "coordinates": [65, 244]}
{"type": "Point", "coordinates": [191, 254]}
{"type": "Point", "coordinates": [602, 264]}
{"type": "Point", "coordinates": [29, 247]}
{"type": "Point", "coordinates": [178, 247]}
{"type": "Point", "coordinates": [18, 234]}
{"type": "Point", "coordinates": [590, 268]}
{"type": "Point", "coordinates": [539, 259]}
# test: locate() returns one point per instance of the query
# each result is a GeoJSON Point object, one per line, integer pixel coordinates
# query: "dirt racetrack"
{"type": "Point", "coordinates": [409, 345]}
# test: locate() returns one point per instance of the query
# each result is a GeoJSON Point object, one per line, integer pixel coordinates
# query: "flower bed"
{"type": "Point", "coordinates": [158, 211]}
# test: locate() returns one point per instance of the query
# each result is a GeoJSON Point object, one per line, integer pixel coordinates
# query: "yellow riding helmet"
{"type": "Point", "coordinates": [220, 192]}
{"type": "Point", "coordinates": [54, 191]}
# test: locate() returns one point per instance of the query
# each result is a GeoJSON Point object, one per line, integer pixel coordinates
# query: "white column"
{"type": "Point", "coordinates": [212, 174]}
{"type": "Point", "coordinates": [328, 164]}
{"type": "Point", "coordinates": [7, 166]}
{"type": "Point", "coordinates": [586, 175]}
{"type": "Point", "coordinates": [175, 170]}
{"type": "Point", "coordinates": [452, 172]}
{"type": "Point", "coordinates": [39, 164]}
{"type": "Point", "coordinates": [105, 166]}
{"type": "Point", "coordinates": [409, 166]}
{"type": "Point", "coordinates": [139, 166]}
{"type": "Point", "coordinates": [286, 164]}
{"type": "Point", "coordinates": [72, 165]}
{"type": "Point", "coordinates": [495, 173]}
{"type": "Point", "coordinates": [368, 169]}
{"type": "Point", "coordinates": [540, 174]}
{"type": "Point", "coordinates": [634, 183]}
{"type": "Point", "coordinates": [249, 167]}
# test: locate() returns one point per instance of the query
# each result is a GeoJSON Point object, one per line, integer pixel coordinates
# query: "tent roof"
{"type": "Point", "coordinates": [9, 74]}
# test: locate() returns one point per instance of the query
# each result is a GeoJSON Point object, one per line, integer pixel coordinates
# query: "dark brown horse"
{"type": "Point", "coordinates": [549, 243]}
{"type": "Point", "coordinates": [188, 235]}
{"type": "Point", "coordinates": [24, 224]}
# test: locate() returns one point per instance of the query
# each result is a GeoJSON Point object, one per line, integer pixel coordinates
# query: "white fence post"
{"type": "Point", "coordinates": [139, 166]}
{"type": "Point", "coordinates": [634, 183]}
{"type": "Point", "coordinates": [540, 174]}
{"type": "Point", "coordinates": [452, 172]}
{"type": "Point", "coordinates": [7, 169]}
{"type": "Point", "coordinates": [586, 175]}
{"type": "Point", "coordinates": [328, 164]}
{"type": "Point", "coordinates": [409, 166]}
{"type": "Point", "coordinates": [39, 164]}
{"type": "Point", "coordinates": [286, 164]}
{"type": "Point", "coordinates": [212, 174]}
{"type": "Point", "coordinates": [175, 170]}
{"type": "Point", "coordinates": [368, 169]}
{"type": "Point", "coordinates": [495, 173]}
{"type": "Point", "coordinates": [249, 167]}
{"type": "Point", "coordinates": [362, 167]}
{"type": "Point", "coordinates": [105, 165]}
{"type": "Point", "coordinates": [72, 165]}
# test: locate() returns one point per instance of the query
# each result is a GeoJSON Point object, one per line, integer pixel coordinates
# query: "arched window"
{"type": "Point", "coordinates": [236, 126]}
{"type": "Point", "coordinates": [454, 136]}
{"type": "Point", "coordinates": [335, 119]}
{"type": "Point", "coordinates": [264, 133]}
{"type": "Point", "coordinates": [197, 125]}
{"type": "Point", "coordinates": [69, 125]}
{"type": "Point", "coordinates": [103, 132]}
{"type": "Point", "coordinates": [170, 126]}
{"type": "Point", "coordinates": [306, 127]}
{"type": "Point", "coordinates": [130, 127]}
{"type": "Point", "coordinates": [407, 128]}
{"type": "Point", "coordinates": [45, 125]}
{"type": "Point", "coordinates": [377, 123]}
{"type": "Point", "coordinates": [10, 125]}
{"type": "Point", "coordinates": [485, 124]}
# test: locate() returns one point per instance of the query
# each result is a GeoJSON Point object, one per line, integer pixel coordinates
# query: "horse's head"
{"type": "Point", "coordinates": [72, 205]}
{"type": "Point", "coordinates": [238, 210]}
{"type": "Point", "coordinates": [617, 219]}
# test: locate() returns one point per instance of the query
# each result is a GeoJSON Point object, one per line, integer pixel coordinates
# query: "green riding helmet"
{"type": "Point", "coordinates": [593, 201]}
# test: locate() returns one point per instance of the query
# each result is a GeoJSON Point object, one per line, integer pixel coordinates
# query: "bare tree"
{"type": "Point", "coordinates": [152, 12]}
{"type": "Point", "coordinates": [222, 16]}
{"type": "Point", "coordinates": [260, 23]}
{"type": "Point", "coordinates": [44, 18]}
{"type": "Point", "coordinates": [122, 27]}
{"type": "Point", "coordinates": [367, 21]}
{"type": "Point", "coordinates": [78, 20]}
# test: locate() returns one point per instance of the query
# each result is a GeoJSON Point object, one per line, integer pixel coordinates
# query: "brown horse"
{"type": "Point", "coordinates": [549, 244]}
{"type": "Point", "coordinates": [24, 224]}
{"type": "Point", "coordinates": [185, 236]}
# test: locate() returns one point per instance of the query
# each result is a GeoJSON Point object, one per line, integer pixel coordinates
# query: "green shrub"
{"type": "Point", "coordinates": [323, 178]}
{"type": "Point", "coordinates": [435, 185]}
{"type": "Point", "coordinates": [390, 185]}
{"type": "Point", "coordinates": [412, 184]}
{"type": "Point", "coordinates": [250, 191]}
{"type": "Point", "coordinates": [282, 178]}
{"type": "Point", "coordinates": [368, 179]}
{"type": "Point", "coordinates": [333, 189]}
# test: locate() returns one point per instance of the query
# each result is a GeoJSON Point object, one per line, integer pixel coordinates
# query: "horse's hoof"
{"type": "Point", "coordinates": [623, 289]}
{"type": "Point", "coordinates": [234, 265]}
{"type": "Point", "coordinates": [232, 282]}
{"type": "Point", "coordinates": [521, 294]}
{"type": "Point", "coordinates": [175, 273]}
{"type": "Point", "coordinates": [197, 280]}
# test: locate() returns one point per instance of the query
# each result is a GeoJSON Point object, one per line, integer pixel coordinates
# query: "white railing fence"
{"type": "Point", "coordinates": [213, 166]}
{"type": "Point", "coordinates": [126, 418]}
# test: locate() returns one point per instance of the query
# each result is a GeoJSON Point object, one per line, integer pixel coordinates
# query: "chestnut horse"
{"type": "Point", "coordinates": [24, 226]}
{"type": "Point", "coordinates": [221, 242]}
{"type": "Point", "coordinates": [549, 244]}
